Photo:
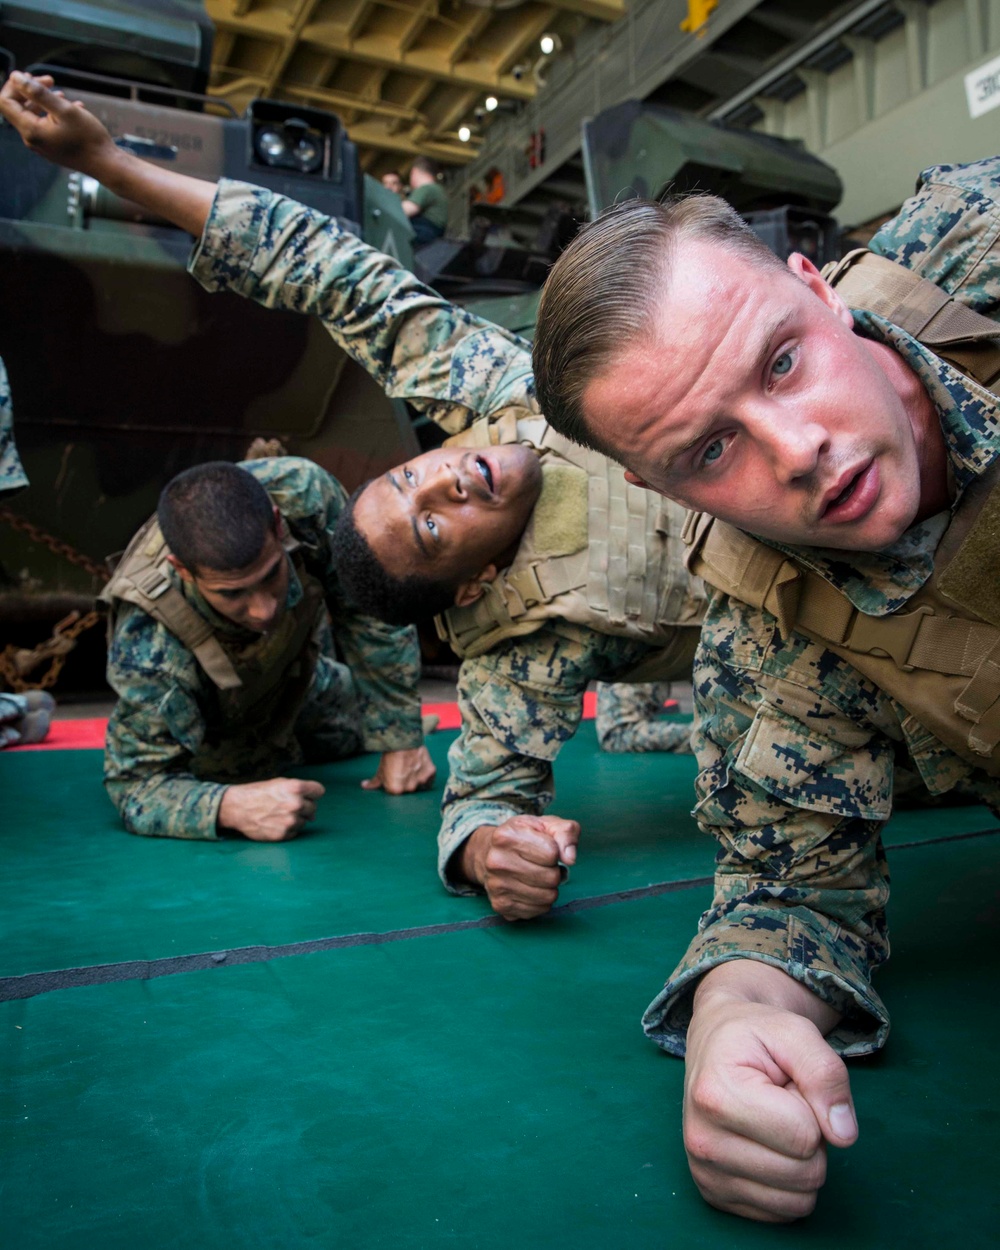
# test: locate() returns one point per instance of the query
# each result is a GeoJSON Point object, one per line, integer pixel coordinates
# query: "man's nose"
{"type": "Point", "coordinates": [261, 608]}
{"type": "Point", "coordinates": [443, 482]}
{"type": "Point", "coordinates": [796, 443]}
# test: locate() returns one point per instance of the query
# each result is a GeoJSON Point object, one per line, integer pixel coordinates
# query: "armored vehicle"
{"type": "Point", "coordinates": [122, 370]}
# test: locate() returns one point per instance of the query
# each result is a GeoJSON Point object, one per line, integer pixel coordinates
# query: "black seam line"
{"type": "Point", "coordinates": [33, 983]}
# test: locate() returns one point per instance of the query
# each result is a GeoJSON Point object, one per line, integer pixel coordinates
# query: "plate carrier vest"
{"type": "Point", "coordinates": [939, 655]}
{"type": "Point", "coordinates": [260, 686]}
{"type": "Point", "coordinates": [621, 575]}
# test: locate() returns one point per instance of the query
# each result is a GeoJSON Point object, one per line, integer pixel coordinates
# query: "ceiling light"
{"type": "Point", "coordinates": [547, 43]}
{"type": "Point", "coordinates": [491, 103]}
{"type": "Point", "coordinates": [464, 133]}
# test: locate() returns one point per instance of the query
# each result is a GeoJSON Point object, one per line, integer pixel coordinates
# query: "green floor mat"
{"type": "Point", "coordinates": [81, 891]}
{"type": "Point", "coordinates": [482, 1089]}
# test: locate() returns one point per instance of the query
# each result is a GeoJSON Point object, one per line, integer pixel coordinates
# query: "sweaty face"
{"type": "Point", "coordinates": [450, 513]}
{"type": "Point", "coordinates": [753, 400]}
{"type": "Point", "coordinates": [253, 597]}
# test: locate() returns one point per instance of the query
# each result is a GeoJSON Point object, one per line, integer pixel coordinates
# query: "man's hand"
{"type": "Point", "coordinates": [402, 772]}
{"type": "Point", "coordinates": [517, 863]}
{"type": "Point", "coordinates": [69, 135]}
{"type": "Point", "coordinates": [66, 134]}
{"type": "Point", "coordinates": [763, 1093]}
{"type": "Point", "coordinates": [269, 811]}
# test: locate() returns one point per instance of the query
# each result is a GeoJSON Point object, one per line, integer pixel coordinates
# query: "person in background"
{"type": "Point", "coordinates": [426, 204]}
{"type": "Point", "coordinates": [630, 718]}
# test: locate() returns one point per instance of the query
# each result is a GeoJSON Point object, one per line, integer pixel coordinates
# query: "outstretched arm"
{"type": "Point", "coordinates": [417, 346]}
{"type": "Point", "coordinates": [69, 135]}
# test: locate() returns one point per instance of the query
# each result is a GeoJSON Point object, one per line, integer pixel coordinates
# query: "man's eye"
{"type": "Point", "coordinates": [432, 525]}
{"type": "Point", "coordinates": [408, 475]}
{"type": "Point", "coordinates": [713, 451]}
{"type": "Point", "coordinates": [782, 365]}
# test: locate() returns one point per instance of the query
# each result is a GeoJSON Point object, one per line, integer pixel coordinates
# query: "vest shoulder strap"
{"type": "Point", "coordinates": [756, 574]}
{"type": "Point", "coordinates": [142, 577]}
{"type": "Point", "coordinates": [963, 337]}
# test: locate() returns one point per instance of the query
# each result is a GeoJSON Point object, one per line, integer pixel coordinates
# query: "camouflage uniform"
{"type": "Point", "coordinates": [165, 699]}
{"type": "Point", "coordinates": [524, 698]}
{"type": "Point", "coordinates": [12, 479]}
{"type": "Point", "coordinates": [12, 476]}
{"type": "Point", "coordinates": [629, 718]}
{"type": "Point", "coordinates": [796, 749]}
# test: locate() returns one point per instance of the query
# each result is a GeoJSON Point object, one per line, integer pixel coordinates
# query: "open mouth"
{"type": "Point", "coordinates": [847, 492]}
{"type": "Point", "coordinates": [857, 498]}
{"type": "Point", "coordinates": [486, 471]}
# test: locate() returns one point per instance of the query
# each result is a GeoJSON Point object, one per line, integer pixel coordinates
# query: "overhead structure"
{"type": "Point", "coordinates": [403, 75]}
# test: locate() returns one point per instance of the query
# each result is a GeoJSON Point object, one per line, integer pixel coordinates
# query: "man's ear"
{"type": "Point", "coordinates": [634, 479]}
{"type": "Point", "coordinates": [468, 592]}
{"type": "Point", "coordinates": [185, 573]}
{"type": "Point", "coordinates": [803, 268]}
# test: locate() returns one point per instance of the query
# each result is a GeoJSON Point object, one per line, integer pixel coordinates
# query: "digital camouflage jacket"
{"type": "Point", "coordinates": [12, 476]}
{"type": "Point", "coordinates": [796, 749]}
{"type": "Point", "coordinates": [523, 699]}
{"type": "Point", "coordinates": [158, 727]}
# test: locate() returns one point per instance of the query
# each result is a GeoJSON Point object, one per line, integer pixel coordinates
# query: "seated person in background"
{"type": "Point", "coordinates": [426, 203]}
{"type": "Point", "coordinates": [224, 663]}
{"type": "Point", "coordinates": [393, 182]}
{"type": "Point", "coordinates": [630, 718]}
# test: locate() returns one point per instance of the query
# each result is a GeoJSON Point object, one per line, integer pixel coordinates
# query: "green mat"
{"type": "Point", "coordinates": [475, 1087]}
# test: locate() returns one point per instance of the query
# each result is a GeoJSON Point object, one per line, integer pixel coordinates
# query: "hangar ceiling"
{"type": "Point", "coordinates": [403, 75]}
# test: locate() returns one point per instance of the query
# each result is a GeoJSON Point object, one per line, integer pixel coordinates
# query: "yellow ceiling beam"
{"type": "Point", "coordinates": [450, 151]}
{"type": "Point", "coordinates": [331, 39]}
{"type": "Point", "coordinates": [600, 10]}
{"type": "Point", "coordinates": [523, 44]}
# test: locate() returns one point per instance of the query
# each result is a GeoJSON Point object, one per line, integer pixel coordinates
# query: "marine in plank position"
{"type": "Point", "coordinates": [842, 432]}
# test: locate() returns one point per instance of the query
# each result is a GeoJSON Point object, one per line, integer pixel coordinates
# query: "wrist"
{"type": "Point", "coordinates": [750, 982]}
{"type": "Point", "coordinates": [470, 857]}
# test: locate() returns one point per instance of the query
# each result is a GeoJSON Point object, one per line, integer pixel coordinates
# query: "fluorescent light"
{"type": "Point", "coordinates": [464, 133]}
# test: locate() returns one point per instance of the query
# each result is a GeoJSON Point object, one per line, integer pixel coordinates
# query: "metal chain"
{"type": "Point", "coordinates": [56, 545]}
{"type": "Point", "coordinates": [17, 662]}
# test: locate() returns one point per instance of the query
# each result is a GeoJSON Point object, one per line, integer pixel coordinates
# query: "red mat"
{"type": "Point", "coordinates": [78, 735]}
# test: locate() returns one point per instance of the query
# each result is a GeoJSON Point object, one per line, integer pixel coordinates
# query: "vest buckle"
{"type": "Point", "coordinates": [890, 636]}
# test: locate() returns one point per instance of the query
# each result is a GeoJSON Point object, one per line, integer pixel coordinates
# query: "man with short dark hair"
{"type": "Point", "coordinates": [426, 203]}
{"type": "Point", "coordinates": [392, 181]}
{"type": "Point", "coordinates": [550, 571]}
{"type": "Point", "coordinates": [846, 433]}
{"type": "Point", "coordinates": [224, 663]}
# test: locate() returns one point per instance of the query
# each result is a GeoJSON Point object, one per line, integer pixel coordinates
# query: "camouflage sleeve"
{"type": "Point", "coordinates": [153, 733]}
{"type": "Point", "coordinates": [417, 346]}
{"type": "Point", "coordinates": [629, 719]}
{"type": "Point", "coordinates": [795, 783]}
{"type": "Point", "coordinates": [519, 702]}
{"type": "Point", "coordinates": [12, 476]}
{"type": "Point", "coordinates": [949, 231]}
{"type": "Point", "coordinates": [384, 660]}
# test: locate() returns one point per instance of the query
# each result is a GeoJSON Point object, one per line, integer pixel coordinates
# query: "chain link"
{"type": "Point", "coordinates": [55, 545]}
{"type": "Point", "coordinates": [17, 662]}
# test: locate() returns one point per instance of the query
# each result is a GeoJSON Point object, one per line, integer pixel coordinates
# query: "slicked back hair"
{"type": "Point", "coordinates": [395, 600]}
{"type": "Point", "coordinates": [603, 293]}
{"type": "Point", "coordinates": [215, 516]}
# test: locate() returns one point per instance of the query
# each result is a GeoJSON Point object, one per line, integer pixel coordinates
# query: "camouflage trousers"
{"type": "Point", "coordinates": [628, 718]}
{"type": "Point", "coordinates": [328, 726]}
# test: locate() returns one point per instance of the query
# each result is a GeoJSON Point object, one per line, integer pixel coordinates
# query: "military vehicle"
{"type": "Point", "coordinates": [123, 371]}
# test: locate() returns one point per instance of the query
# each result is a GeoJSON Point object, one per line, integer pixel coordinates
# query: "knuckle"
{"type": "Point", "coordinates": [707, 1098]}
